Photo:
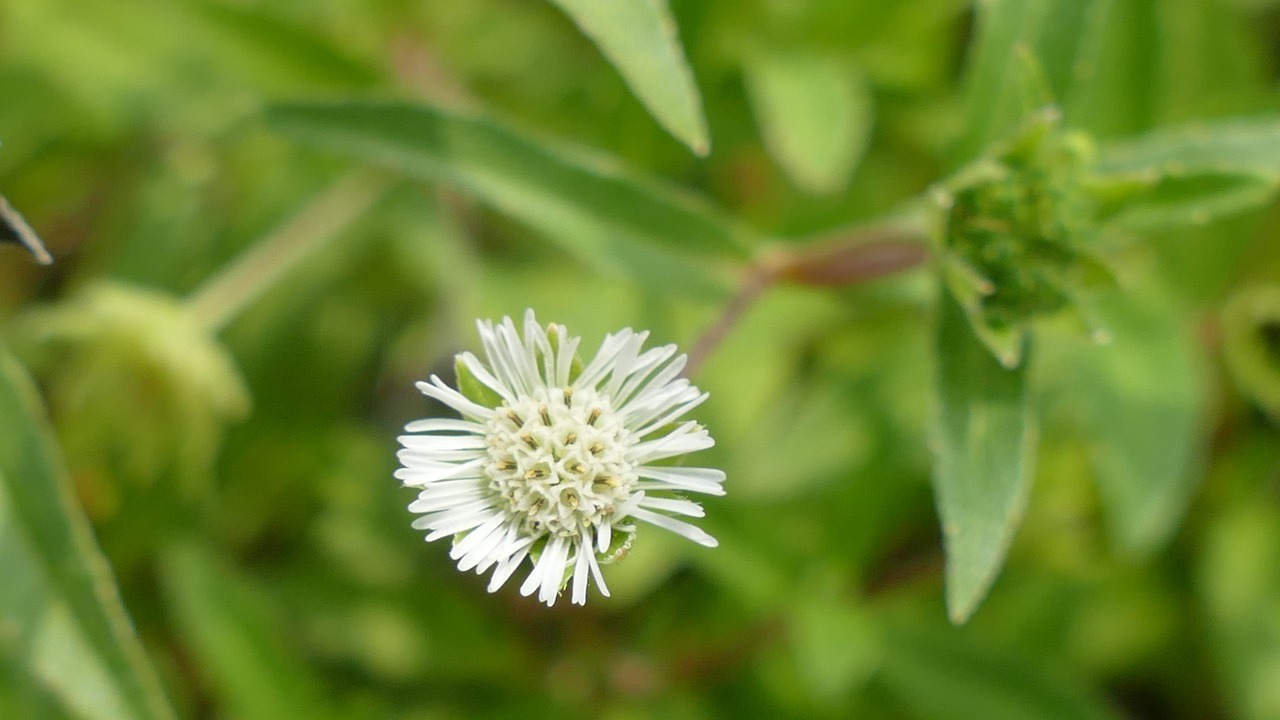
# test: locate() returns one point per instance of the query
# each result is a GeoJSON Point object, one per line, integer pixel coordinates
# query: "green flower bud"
{"type": "Point", "coordinates": [138, 389]}
{"type": "Point", "coordinates": [1014, 231]}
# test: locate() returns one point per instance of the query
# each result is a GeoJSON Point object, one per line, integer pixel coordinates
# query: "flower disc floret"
{"type": "Point", "coordinates": [559, 461]}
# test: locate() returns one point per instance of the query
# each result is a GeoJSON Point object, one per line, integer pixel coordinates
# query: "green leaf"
{"type": "Point", "coordinates": [639, 38]}
{"type": "Point", "coordinates": [994, 108]}
{"type": "Point", "coordinates": [226, 626]}
{"type": "Point", "coordinates": [1112, 85]}
{"type": "Point", "coordinates": [983, 441]}
{"type": "Point", "coordinates": [596, 210]}
{"type": "Point", "coordinates": [1210, 60]}
{"type": "Point", "coordinates": [1063, 36]}
{"type": "Point", "coordinates": [60, 612]}
{"type": "Point", "coordinates": [1099, 61]}
{"type": "Point", "coordinates": [1239, 146]}
{"type": "Point", "coordinates": [1178, 201]}
{"type": "Point", "coordinates": [1144, 395]}
{"type": "Point", "coordinates": [815, 115]}
{"type": "Point", "coordinates": [938, 673]}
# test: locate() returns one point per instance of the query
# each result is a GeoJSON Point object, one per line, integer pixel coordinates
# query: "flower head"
{"type": "Point", "coordinates": [554, 461]}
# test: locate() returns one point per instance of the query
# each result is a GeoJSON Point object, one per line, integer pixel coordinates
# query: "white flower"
{"type": "Point", "coordinates": [561, 460]}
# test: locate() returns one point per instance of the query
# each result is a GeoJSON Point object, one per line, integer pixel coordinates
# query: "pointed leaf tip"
{"type": "Point", "coordinates": [639, 38]}
{"type": "Point", "coordinates": [983, 441]}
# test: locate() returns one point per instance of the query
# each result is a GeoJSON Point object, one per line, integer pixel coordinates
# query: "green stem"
{"type": "Point", "coordinates": [225, 295]}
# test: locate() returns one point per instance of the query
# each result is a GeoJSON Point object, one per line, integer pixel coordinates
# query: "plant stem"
{"type": "Point", "coordinates": [860, 255]}
{"type": "Point", "coordinates": [225, 295]}
{"type": "Point", "coordinates": [760, 277]}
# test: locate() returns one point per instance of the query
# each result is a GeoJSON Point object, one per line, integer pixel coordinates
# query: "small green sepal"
{"type": "Point", "coordinates": [471, 387]}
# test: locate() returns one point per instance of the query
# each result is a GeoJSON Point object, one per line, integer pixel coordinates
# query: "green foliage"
{"type": "Point", "coordinates": [815, 115]}
{"type": "Point", "coordinates": [67, 643]}
{"type": "Point", "coordinates": [1148, 428]}
{"type": "Point", "coordinates": [115, 346]}
{"type": "Point", "coordinates": [1015, 233]}
{"type": "Point", "coordinates": [984, 440]}
{"type": "Point", "coordinates": [639, 37]}
{"type": "Point", "coordinates": [983, 293]}
{"type": "Point", "coordinates": [604, 215]}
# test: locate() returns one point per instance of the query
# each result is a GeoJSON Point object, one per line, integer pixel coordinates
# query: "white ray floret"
{"type": "Point", "coordinates": [559, 465]}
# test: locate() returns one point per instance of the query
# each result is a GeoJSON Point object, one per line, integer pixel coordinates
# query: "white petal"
{"type": "Point", "coordinates": [442, 485]}
{"type": "Point", "coordinates": [444, 424]}
{"type": "Point", "coordinates": [552, 579]}
{"type": "Point", "coordinates": [644, 409]}
{"type": "Point", "coordinates": [423, 475]}
{"type": "Point", "coordinates": [581, 570]}
{"type": "Point", "coordinates": [674, 505]}
{"type": "Point", "coordinates": [481, 373]}
{"type": "Point", "coordinates": [678, 527]}
{"type": "Point", "coordinates": [413, 457]}
{"type": "Point", "coordinates": [604, 536]}
{"type": "Point", "coordinates": [521, 357]}
{"type": "Point", "coordinates": [429, 502]}
{"type": "Point", "coordinates": [595, 570]}
{"type": "Point", "coordinates": [512, 543]}
{"type": "Point", "coordinates": [685, 439]}
{"type": "Point", "coordinates": [483, 554]}
{"type": "Point", "coordinates": [604, 360]}
{"type": "Point", "coordinates": [657, 383]}
{"type": "Point", "coordinates": [627, 506]}
{"type": "Point", "coordinates": [703, 480]}
{"type": "Point", "coordinates": [536, 344]}
{"type": "Point", "coordinates": [456, 522]}
{"type": "Point", "coordinates": [442, 442]}
{"type": "Point", "coordinates": [671, 416]}
{"type": "Point", "coordinates": [476, 537]}
{"type": "Point", "coordinates": [505, 569]}
{"type": "Point", "coordinates": [499, 356]}
{"type": "Point", "coordinates": [625, 365]}
{"type": "Point", "coordinates": [644, 367]}
{"type": "Point", "coordinates": [454, 399]}
{"type": "Point", "coordinates": [564, 360]}
{"type": "Point", "coordinates": [478, 502]}
{"type": "Point", "coordinates": [540, 568]}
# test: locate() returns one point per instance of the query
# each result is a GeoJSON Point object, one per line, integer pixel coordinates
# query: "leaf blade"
{"type": "Point", "coordinates": [1147, 427]}
{"type": "Point", "coordinates": [815, 116]}
{"type": "Point", "coordinates": [1239, 146]}
{"type": "Point", "coordinates": [639, 38]}
{"type": "Point", "coordinates": [596, 210]}
{"type": "Point", "coordinates": [991, 109]}
{"type": "Point", "coordinates": [59, 587]}
{"type": "Point", "coordinates": [983, 441]}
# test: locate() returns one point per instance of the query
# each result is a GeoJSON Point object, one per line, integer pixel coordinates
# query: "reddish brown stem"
{"type": "Point", "coordinates": [758, 279]}
{"type": "Point", "coordinates": [868, 254]}
{"type": "Point", "coordinates": [848, 263]}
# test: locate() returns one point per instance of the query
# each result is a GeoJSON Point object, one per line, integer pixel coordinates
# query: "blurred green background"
{"type": "Point", "coordinates": [228, 339]}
